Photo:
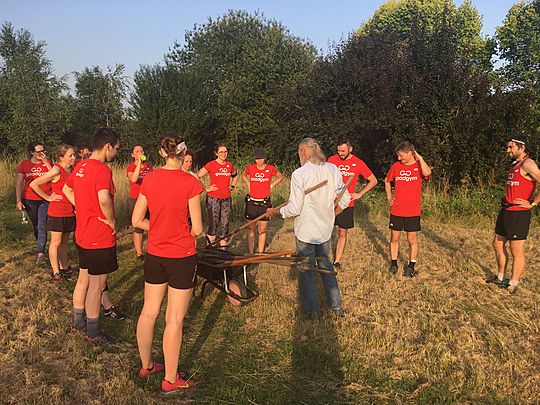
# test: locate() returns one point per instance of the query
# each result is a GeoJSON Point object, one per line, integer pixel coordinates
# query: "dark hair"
{"type": "Point", "coordinates": [104, 136]}
{"type": "Point", "coordinates": [344, 141]}
{"type": "Point", "coordinates": [405, 146]}
{"type": "Point", "coordinates": [220, 145]}
{"type": "Point", "coordinates": [62, 150]}
{"type": "Point", "coordinates": [192, 154]}
{"type": "Point", "coordinates": [168, 142]}
{"type": "Point", "coordinates": [134, 146]}
{"type": "Point", "coordinates": [31, 147]}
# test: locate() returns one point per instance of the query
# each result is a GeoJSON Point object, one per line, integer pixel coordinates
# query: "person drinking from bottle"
{"type": "Point", "coordinates": [136, 172]}
{"type": "Point", "coordinates": [260, 178]}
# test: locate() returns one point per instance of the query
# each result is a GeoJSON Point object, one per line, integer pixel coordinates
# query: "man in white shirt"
{"type": "Point", "coordinates": [314, 216]}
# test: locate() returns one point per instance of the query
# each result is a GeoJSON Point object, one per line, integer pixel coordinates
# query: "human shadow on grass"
{"type": "Point", "coordinates": [455, 250]}
{"type": "Point", "coordinates": [317, 374]}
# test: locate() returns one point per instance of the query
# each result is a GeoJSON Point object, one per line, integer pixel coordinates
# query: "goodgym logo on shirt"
{"type": "Point", "coordinates": [223, 171]}
{"type": "Point", "coordinates": [80, 172]}
{"type": "Point", "coordinates": [259, 177]}
{"type": "Point", "coordinates": [344, 169]}
{"type": "Point", "coordinates": [36, 171]}
{"type": "Point", "coordinates": [405, 175]}
{"type": "Point", "coordinates": [510, 181]}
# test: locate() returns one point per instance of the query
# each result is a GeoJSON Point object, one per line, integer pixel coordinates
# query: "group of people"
{"type": "Point", "coordinates": [166, 203]}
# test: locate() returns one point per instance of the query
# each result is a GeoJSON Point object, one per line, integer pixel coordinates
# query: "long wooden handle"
{"type": "Point", "coordinates": [247, 224]}
{"type": "Point", "coordinates": [343, 191]}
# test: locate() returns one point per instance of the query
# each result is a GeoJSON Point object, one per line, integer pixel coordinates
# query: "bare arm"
{"type": "Point", "coordinates": [47, 177]}
{"type": "Point", "coordinates": [200, 174]}
{"type": "Point", "coordinates": [107, 207]}
{"type": "Point", "coordinates": [372, 182]}
{"type": "Point", "coordinates": [19, 191]}
{"type": "Point", "coordinates": [134, 175]}
{"type": "Point", "coordinates": [279, 178]}
{"type": "Point", "coordinates": [194, 204]}
{"type": "Point", "coordinates": [234, 181]}
{"type": "Point", "coordinates": [389, 195]}
{"type": "Point", "coordinates": [426, 170]}
{"type": "Point", "coordinates": [245, 178]}
{"type": "Point", "coordinates": [68, 192]}
{"type": "Point", "coordinates": [138, 219]}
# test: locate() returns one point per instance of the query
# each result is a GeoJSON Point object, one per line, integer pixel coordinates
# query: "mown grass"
{"type": "Point", "coordinates": [442, 337]}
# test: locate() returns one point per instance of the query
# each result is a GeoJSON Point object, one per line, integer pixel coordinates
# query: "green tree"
{"type": "Point", "coordinates": [33, 104]}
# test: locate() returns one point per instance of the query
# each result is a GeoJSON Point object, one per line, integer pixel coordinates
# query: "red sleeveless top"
{"type": "Point", "coordinates": [62, 208]}
{"type": "Point", "coordinates": [518, 186]}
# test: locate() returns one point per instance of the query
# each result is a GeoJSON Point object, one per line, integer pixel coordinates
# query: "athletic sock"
{"type": "Point", "coordinates": [92, 327]}
{"type": "Point", "coordinates": [500, 276]}
{"type": "Point", "coordinates": [514, 283]}
{"type": "Point", "coordinates": [394, 262]}
{"type": "Point", "coordinates": [412, 263]}
{"type": "Point", "coordinates": [78, 318]}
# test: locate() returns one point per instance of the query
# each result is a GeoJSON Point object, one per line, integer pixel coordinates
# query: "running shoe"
{"type": "Point", "coordinates": [181, 383]}
{"type": "Point", "coordinates": [67, 271]}
{"type": "Point", "coordinates": [114, 313]}
{"type": "Point", "coordinates": [512, 289]}
{"type": "Point", "coordinates": [41, 260]}
{"type": "Point", "coordinates": [494, 279]}
{"type": "Point", "coordinates": [337, 266]}
{"type": "Point", "coordinates": [505, 283]}
{"type": "Point", "coordinates": [100, 339]}
{"type": "Point", "coordinates": [146, 372]}
{"type": "Point", "coordinates": [58, 277]}
{"type": "Point", "coordinates": [338, 313]}
{"type": "Point", "coordinates": [409, 272]}
{"type": "Point", "coordinates": [393, 269]}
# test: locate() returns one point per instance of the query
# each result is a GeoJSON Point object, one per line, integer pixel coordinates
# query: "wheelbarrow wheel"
{"type": "Point", "coordinates": [237, 287]}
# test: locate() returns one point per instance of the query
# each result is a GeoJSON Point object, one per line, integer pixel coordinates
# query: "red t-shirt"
{"type": "Point", "coordinates": [168, 193]}
{"type": "Point", "coordinates": [259, 180]}
{"type": "Point", "coordinates": [220, 175]}
{"type": "Point", "coordinates": [353, 166]}
{"type": "Point", "coordinates": [63, 207]}
{"type": "Point", "coordinates": [86, 179]}
{"type": "Point", "coordinates": [407, 189]}
{"type": "Point", "coordinates": [135, 188]}
{"type": "Point", "coordinates": [30, 171]}
{"type": "Point", "coordinates": [518, 186]}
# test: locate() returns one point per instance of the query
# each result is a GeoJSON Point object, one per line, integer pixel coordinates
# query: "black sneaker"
{"type": "Point", "coordinates": [67, 271]}
{"type": "Point", "coordinates": [505, 283]}
{"type": "Point", "coordinates": [409, 272]}
{"type": "Point", "coordinates": [337, 266]}
{"type": "Point", "coordinates": [494, 279]}
{"type": "Point", "coordinates": [114, 313]}
{"type": "Point", "coordinates": [393, 269]}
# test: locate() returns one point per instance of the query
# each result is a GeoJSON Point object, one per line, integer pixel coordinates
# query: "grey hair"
{"type": "Point", "coordinates": [315, 154]}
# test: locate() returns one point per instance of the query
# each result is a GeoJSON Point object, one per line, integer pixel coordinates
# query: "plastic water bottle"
{"type": "Point", "coordinates": [143, 158]}
{"type": "Point", "coordinates": [24, 217]}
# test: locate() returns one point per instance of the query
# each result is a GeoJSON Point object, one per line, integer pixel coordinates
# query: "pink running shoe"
{"type": "Point", "coordinates": [180, 384]}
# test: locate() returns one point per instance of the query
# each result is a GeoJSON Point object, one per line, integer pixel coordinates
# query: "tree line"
{"type": "Point", "coordinates": [417, 70]}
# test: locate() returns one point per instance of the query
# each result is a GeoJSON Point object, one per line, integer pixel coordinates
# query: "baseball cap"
{"type": "Point", "coordinates": [260, 153]}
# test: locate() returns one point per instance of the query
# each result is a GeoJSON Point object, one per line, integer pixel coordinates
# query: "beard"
{"type": "Point", "coordinates": [344, 157]}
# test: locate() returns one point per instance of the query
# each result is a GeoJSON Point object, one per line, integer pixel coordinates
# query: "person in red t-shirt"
{"type": "Point", "coordinates": [170, 262]}
{"type": "Point", "coordinates": [223, 180]}
{"type": "Point", "coordinates": [514, 218]}
{"type": "Point", "coordinates": [60, 215]}
{"type": "Point", "coordinates": [90, 188]}
{"type": "Point", "coordinates": [135, 173]}
{"type": "Point", "coordinates": [350, 166]}
{"type": "Point", "coordinates": [258, 178]}
{"type": "Point", "coordinates": [36, 207]}
{"type": "Point", "coordinates": [407, 175]}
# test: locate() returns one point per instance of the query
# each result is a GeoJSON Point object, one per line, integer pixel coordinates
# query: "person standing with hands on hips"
{"type": "Point", "coordinates": [36, 207]}
{"type": "Point", "coordinates": [407, 175]}
{"type": "Point", "coordinates": [258, 178]}
{"type": "Point", "coordinates": [135, 173]}
{"type": "Point", "coordinates": [223, 179]}
{"type": "Point", "coordinates": [350, 166]}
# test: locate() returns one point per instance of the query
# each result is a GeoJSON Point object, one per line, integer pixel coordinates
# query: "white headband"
{"type": "Point", "coordinates": [516, 141]}
{"type": "Point", "coordinates": [180, 147]}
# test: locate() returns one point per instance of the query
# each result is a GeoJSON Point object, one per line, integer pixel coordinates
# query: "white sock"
{"type": "Point", "coordinates": [500, 276]}
{"type": "Point", "coordinates": [513, 283]}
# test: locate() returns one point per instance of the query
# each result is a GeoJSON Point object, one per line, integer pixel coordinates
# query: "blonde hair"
{"type": "Point", "coordinates": [62, 151]}
{"type": "Point", "coordinates": [314, 152]}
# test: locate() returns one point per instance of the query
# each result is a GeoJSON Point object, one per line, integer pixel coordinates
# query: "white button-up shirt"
{"type": "Point", "coordinates": [314, 213]}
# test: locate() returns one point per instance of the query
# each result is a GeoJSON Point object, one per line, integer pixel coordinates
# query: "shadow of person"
{"type": "Point", "coordinates": [373, 234]}
{"type": "Point", "coordinates": [317, 374]}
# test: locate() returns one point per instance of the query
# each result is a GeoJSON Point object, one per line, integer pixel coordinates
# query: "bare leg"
{"type": "Point", "coordinates": [96, 284]}
{"type": "Point", "coordinates": [251, 238]}
{"type": "Point", "coordinates": [177, 306]}
{"type": "Point", "coordinates": [138, 243]}
{"type": "Point", "coordinates": [340, 245]}
{"type": "Point", "coordinates": [63, 251]}
{"type": "Point", "coordinates": [262, 225]}
{"type": "Point", "coordinates": [501, 254]}
{"type": "Point", "coordinates": [153, 296]}
{"type": "Point", "coordinates": [54, 248]}
{"type": "Point", "coordinates": [413, 245]}
{"type": "Point", "coordinates": [518, 262]}
{"type": "Point", "coordinates": [79, 293]}
{"type": "Point", "coordinates": [106, 299]}
{"type": "Point", "coordinates": [394, 244]}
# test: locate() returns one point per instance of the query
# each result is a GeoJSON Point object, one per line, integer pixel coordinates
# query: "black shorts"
{"type": "Point", "coordinates": [407, 224]}
{"type": "Point", "coordinates": [255, 208]}
{"type": "Point", "coordinates": [98, 261]}
{"type": "Point", "coordinates": [345, 220]}
{"type": "Point", "coordinates": [132, 202]}
{"type": "Point", "coordinates": [60, 224]}
{"type": "Point", "coordinates": [513, 225]}
{"type": "Point", "coordinates": [179, 273]}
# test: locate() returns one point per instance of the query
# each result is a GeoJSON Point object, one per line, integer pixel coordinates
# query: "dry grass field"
{"type": "Point", "coordinates": [442, 337]}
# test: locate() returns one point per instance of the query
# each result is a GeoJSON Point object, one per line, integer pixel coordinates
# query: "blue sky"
{"type": "Point", "coordinates": [106, 32]}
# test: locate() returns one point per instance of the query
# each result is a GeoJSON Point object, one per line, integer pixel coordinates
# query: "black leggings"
{"type": "Point", "coordinates": [219, 215]}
